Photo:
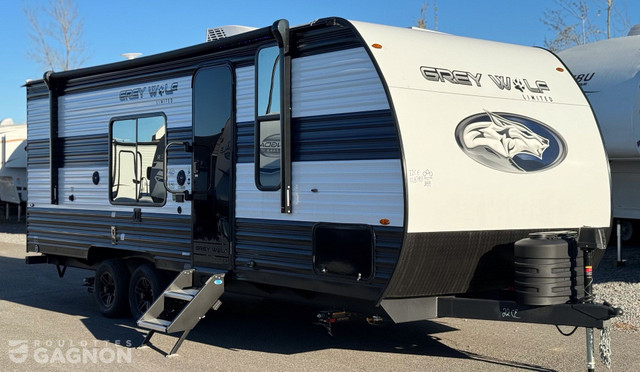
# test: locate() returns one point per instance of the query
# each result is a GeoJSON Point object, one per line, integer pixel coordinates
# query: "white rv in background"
{"type": "Point", "coordinates": [13, 162]}
{"type": "Point", "coordinates": [609, 73]}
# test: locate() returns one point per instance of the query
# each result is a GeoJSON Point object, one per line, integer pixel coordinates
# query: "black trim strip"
{"type": "Point", "coordinates": [323, 36]}
{"type": "Point", "coordinates": [38, 154]}
{"type": "Point", "coordinates": [350, 136]}
{"type": "Point", "coordinates": [85, 150]}
{"type": "Point", "coordinates": [93, 150]}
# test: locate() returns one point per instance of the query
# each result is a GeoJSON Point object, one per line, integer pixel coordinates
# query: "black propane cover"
{"type": "Point", "coordinates": [548, 268]}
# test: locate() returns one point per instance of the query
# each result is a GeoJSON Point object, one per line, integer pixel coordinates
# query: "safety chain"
{"type": "Point", "coordinates": [605, 346]}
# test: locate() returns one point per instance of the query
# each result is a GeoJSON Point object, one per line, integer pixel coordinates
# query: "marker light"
{"type": "Point", "coordinates": [377, 46]}
{"type": "Point", "coordinates": [384, 221]}
{"type": "Point", "coordinates": [559, 69]}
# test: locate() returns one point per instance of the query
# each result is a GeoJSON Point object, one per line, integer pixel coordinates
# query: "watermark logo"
{"type": "Point", "coordinates": [20, 351]}
{"type": "Point", "coordinates": [70, 352]}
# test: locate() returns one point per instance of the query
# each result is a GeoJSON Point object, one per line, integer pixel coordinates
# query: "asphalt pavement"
{"type": "Point", "coordinates": [49, 323]}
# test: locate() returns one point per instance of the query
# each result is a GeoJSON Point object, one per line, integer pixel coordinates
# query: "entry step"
{"type": "Point", "coordinates": [185, 294]}
{"type": "Point", "coordinates": [159, 325]}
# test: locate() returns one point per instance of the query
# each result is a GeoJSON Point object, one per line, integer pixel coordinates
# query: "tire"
{"type": "Point", "coordinates": [144, 288]}
{"type": "Point", "coordinates": [111, 287]}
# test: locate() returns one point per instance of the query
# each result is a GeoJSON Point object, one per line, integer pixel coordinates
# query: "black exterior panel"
{"type": "Point", "coordinates": [280, 253]}
{"type": "Point", "coordinates": [72, 233]}
{"type": "Point", "coordinates": [85, 151]}
{"type": "Point", "coordinates": [443, 263]}
{"type": "Point", "coordinates": [38, 154]}
{"type": "Point", "coordinates": [351, 136]}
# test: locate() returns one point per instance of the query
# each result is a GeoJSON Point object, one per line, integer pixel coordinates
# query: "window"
{"type": "Point", "coordinates": [268, 126]}
{"type": "Point", "coordinates": [137, 160]}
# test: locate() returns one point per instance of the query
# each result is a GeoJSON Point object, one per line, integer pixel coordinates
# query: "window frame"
{"type": "Point", "coordinates": [162, 143]}
{"type": "Point", "coordinates": [259, 119]}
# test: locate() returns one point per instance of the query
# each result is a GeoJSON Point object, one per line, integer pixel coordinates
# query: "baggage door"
{"type": "Point", "coordinates": [213, 156]}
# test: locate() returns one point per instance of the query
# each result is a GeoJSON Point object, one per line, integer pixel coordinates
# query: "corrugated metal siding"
{"type": "Point", "coordinates": [38, 133]}
{"type": "Point", "coordinates": [346, 148]}
{"type": "Point", "coordinates": [85, 150]}
{"type": "Point", "coordinates": [361, 191]}
{"type": "Point", "coordinates": [245, 94]}
{"type": "Point", "coordinates": [344, 81]}
{"type": "Point", "coordinates": [245, 142]}
{"type": "Point", "coordinates": [39, 186]}
{"type": "Point", "coordinates": [38, 153]}
{"type": "Point", "coordinates": [72, 232]}
{"type": "Point", "coordinates": [336, 82]}
{"type": "Point", "coordinates": [78, 182]}
{"type": "Point", "coordinates": [89, 113]}
{"type": "Point", "coordinates": [84, 128]}
{"type": "Point", "coordinates": [362, 135]}
{"type": "Point", "coordinates": [353, 136]}
{"type": "Point", "coordinates": [286, 249]}
{"type": "Point", "coordinates": [38, 119]}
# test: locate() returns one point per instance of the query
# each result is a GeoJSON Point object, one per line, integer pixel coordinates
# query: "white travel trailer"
{"type": "Point", "coordinates": [351, 165]}
{"type": "Point", "coordinates": [609, 73]}
{"type": "Point", "coordinates": [13, 162]}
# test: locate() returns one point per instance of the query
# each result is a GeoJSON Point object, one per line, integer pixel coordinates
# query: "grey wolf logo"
{"type": "Point", "coordinates": [20, 352]}
{"type": "Point", "coordinates": [508, 142]}
{"type": "Point", "coordinates": [505, 137]}
{"type": "Point", "coordinates": [518, 84]}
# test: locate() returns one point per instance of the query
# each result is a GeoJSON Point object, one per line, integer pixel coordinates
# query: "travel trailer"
{"type": "Point", "coordinates": [13, 162]}
{"type": "Point", "coordinates": [313, 164]}
{"type": "Point", "coordinates": [609, 73]}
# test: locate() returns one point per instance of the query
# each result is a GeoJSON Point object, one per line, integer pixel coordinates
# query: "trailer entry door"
{"type": "Point", "coordinates": [213, 149]}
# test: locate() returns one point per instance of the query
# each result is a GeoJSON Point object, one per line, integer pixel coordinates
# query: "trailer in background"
{"type": "Point", "coordinates": [609, 73]}
{"type": "Point", "coordinates": [13, 167]}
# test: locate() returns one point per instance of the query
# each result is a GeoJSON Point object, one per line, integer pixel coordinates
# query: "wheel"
{"type": "Point", "coordinates": [144, 288]}
{"type": "Point", "coordinates": [111, 286]}
{"type": "Point", "coordinates": [626, 230]}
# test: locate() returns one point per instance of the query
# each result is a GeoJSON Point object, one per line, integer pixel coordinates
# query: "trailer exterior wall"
{"type": "Point", "coordinates": [83, 217]}
{"type": "Point", "coordinates": [463, 215]}
{"type": "Point", "coordinates": [346, 147]}
{"type": "Point", "coordinates": [374, 149]}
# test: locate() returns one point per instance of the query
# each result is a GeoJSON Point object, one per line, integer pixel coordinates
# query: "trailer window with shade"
{"type": "Point", "coordinates": [136, 160]}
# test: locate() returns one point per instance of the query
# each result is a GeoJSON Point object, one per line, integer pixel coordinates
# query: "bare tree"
{"type": "Point", "coordinates": [609, 6]}
{"type": "Point", "coordinates": [576, 22]}
{"type": "Point", "coordinates": [56, 34]}
{"type": "Point", "coordinates": [422, 21]}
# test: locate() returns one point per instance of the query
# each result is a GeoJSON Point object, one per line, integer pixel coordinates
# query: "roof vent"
{"type": "Point", "coordinates": [635, 30]}
{"type": "Point", "coordinates": [7, 121]}
{"type": "Point", "coordinates": [218, 33]}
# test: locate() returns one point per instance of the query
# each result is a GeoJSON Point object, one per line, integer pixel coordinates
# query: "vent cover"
{"type": "Point", "coordinates": [218, 33]}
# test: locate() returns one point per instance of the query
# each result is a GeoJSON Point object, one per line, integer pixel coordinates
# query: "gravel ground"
{"type": "Point", "coordinates": [618, 285]}
{"type": "Point", "coordinates": [13, 232]}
